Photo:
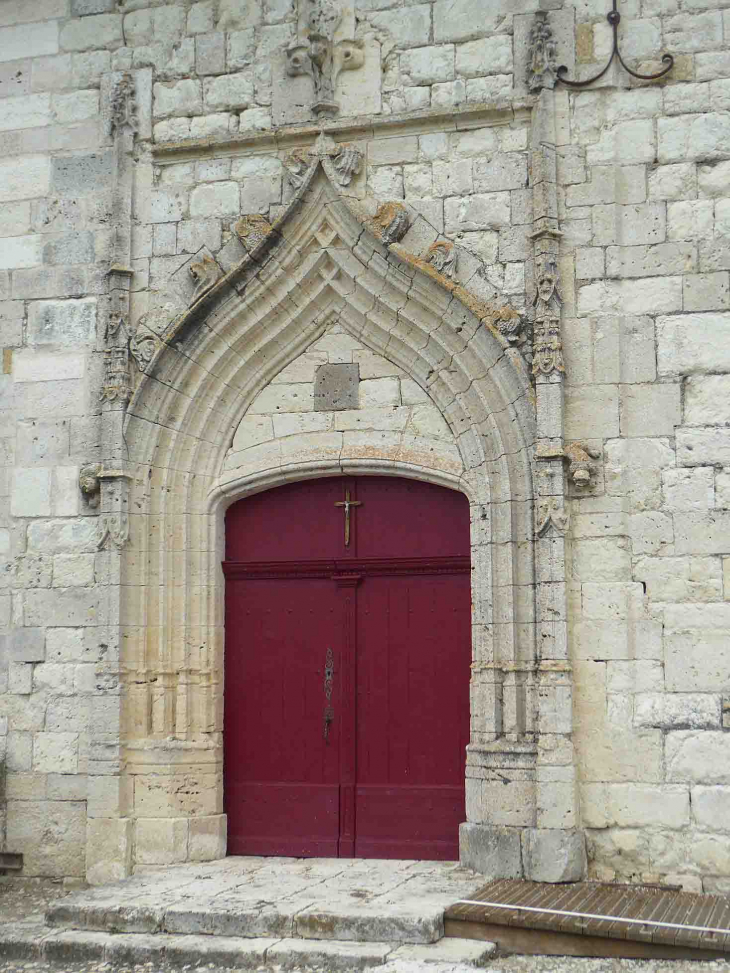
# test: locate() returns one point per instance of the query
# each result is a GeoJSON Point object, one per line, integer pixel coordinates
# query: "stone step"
{"type": "Point", "coordinates": [423, 922]}
{"type": "Point", "coordinates": [34, 941]}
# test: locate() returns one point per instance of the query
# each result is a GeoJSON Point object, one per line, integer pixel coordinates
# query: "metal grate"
{"type": "Point", "coordinates": [636, 913]}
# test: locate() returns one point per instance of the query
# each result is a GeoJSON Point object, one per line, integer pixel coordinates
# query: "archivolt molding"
{"type": "Point", "coordinates": [322, 260]}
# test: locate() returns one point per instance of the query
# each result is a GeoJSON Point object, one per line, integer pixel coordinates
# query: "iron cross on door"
{"type": "Point", "coordinates": [347, 503]}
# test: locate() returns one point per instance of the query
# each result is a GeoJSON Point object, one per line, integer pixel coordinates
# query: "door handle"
{"type": "Point", "coordinates": [329, 674]}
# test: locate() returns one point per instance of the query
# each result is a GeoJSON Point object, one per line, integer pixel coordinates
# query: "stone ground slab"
{"type": "Point", "coordinates": [352, 900]}
{"type": "Point", "coordinates": [38, 942]}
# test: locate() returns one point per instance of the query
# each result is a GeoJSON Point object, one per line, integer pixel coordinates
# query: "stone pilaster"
{"type": "Point", "coordinates": [554, 849]}
{"type": "Point", "coordinates": [109, 838]}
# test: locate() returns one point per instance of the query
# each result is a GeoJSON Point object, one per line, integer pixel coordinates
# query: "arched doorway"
{"type": "Point", "coordinates": [348, 651]}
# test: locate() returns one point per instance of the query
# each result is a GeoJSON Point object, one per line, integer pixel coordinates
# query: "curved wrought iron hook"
{"type": "Point", "coordinates": [614, 19]}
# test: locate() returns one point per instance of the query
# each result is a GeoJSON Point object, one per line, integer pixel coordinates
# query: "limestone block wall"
{"type": "Point", "coordinates": [440, 110]}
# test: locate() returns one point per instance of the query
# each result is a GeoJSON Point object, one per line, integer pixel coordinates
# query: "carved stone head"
{"type": "Point", "coordinates": [90, 484]}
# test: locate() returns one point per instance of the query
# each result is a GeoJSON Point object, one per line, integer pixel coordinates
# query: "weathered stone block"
{"type": "Point", "coordinates": [231, 92]}
{"type": "Point", "coordinates": [102, 30]}
{"type": "Point", "coordinates": [650, 410]}
{"type": "Point", "coordinates": [495, 852]}
{"type": "Point", "coordinates": [208, 837]}
{"type": "Point", "coordinates": [26, 645]}
{"type": "Point", "coordinates": [109, 844]}
{"type": "Point", "coordinates": [31, 496]}
{"type": "Point", "coordinates": [709, 808]}
{"type": "Point", "coordinates": [19, 42]}
{"type": "Point", "coordinates": [677, 710]}
{"type": "Point", "coordinates": [161, 841]}
{"type": "Point", "coordinates": [24, 177]}
{"type": "Point", "coordinates": [50, 834]}
{"type": "Point", "coordinates": [426, 65]}
{"type": "Point", "coordinates": [27, 111]}
{"type": "Point", "coordinates": [701, 757]}
{"type": "Point", "coordinates": [62, 322]}
{"type": "Point", "coordinates": [554, 855]}
{"type": "Point", "coordinates": [82, 175]}
{"type": "Point", "coordinates": [183, 97]}
{"type": "Point", "coordinates": [697, 661]}
{"type": "Point", "coordinates": [214, 200]}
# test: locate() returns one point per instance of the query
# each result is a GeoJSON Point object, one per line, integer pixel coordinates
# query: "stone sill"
{"type": "Point", "coordinates": [359, 127]}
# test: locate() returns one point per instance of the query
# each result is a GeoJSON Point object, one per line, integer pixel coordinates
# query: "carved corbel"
{"type": "Point", "coordinates": [581, 468]}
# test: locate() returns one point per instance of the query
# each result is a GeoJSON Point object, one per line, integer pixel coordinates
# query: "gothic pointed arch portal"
{"type": "Point", "coordinates": [323, 266]}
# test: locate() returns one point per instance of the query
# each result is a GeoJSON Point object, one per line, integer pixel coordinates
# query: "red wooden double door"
{"type": "Point", "coordinates": [347, 669]}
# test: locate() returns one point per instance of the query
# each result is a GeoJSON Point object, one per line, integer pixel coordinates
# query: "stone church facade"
{"type": "Point", "coordinates": [204, 205]}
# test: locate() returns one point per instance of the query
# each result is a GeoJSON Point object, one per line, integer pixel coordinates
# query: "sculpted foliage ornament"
{"type": "Point", "coordinates": [252, 229]}
{"type": "Point", "coordinates": [550, 512]}
{"type": "Point", "coordinates": [205, 273]}
{"type": "Point", "coordinates": [142, 347]}
{"type": "Point", "coordinates": [542, 70]}
{"type": "Point", "coordinates": [316, 54]}
{"type": "Point", "coordinates": [442, 256]}
{"type": "Point", "coordinates": [548, 347]}
{"type": "Point", "coordinates": [296, 164]}
{"type": "Point", "coordinates": [116, 385]}
{"type": "Point", "coordinates": [391, 222]}
{"type": "Point", "coordinates": [123, 106]}
{"type": "Point", "coordinates": [347, 163]}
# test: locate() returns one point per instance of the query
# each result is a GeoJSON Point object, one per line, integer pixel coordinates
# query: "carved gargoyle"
{"type": "Point", "coordinates": [205, 273]}
{"type": "Point", "coordinates": [90, 484]}
{"type": "Point", "coordinates": [391, 221]}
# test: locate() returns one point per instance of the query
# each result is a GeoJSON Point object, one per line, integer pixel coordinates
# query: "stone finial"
{"type": "Point", "coordinates": [315, 53]}
{"type": "Point", "coordinates": [90, 484]}
{"type": "Point", "coordinates": [581, 469]}
{"type": "Point", "coordinates": [442, 256]}
{"type": "Point", "coordinates": [542, 66]}
{"type": "Point", "coordinates": [205, 273]}
{"type": "Point", "coordinates": [391, 221]}
{"type": "Point", "coordinates": [547, 304]}
{"type": "Point", "coordinates": [252, 229]}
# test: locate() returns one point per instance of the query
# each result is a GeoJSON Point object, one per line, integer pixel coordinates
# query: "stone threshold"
{"type": "Point", "coordinates": [34, 941]}
{"type": "Point", "coordinates": [423, 121]}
